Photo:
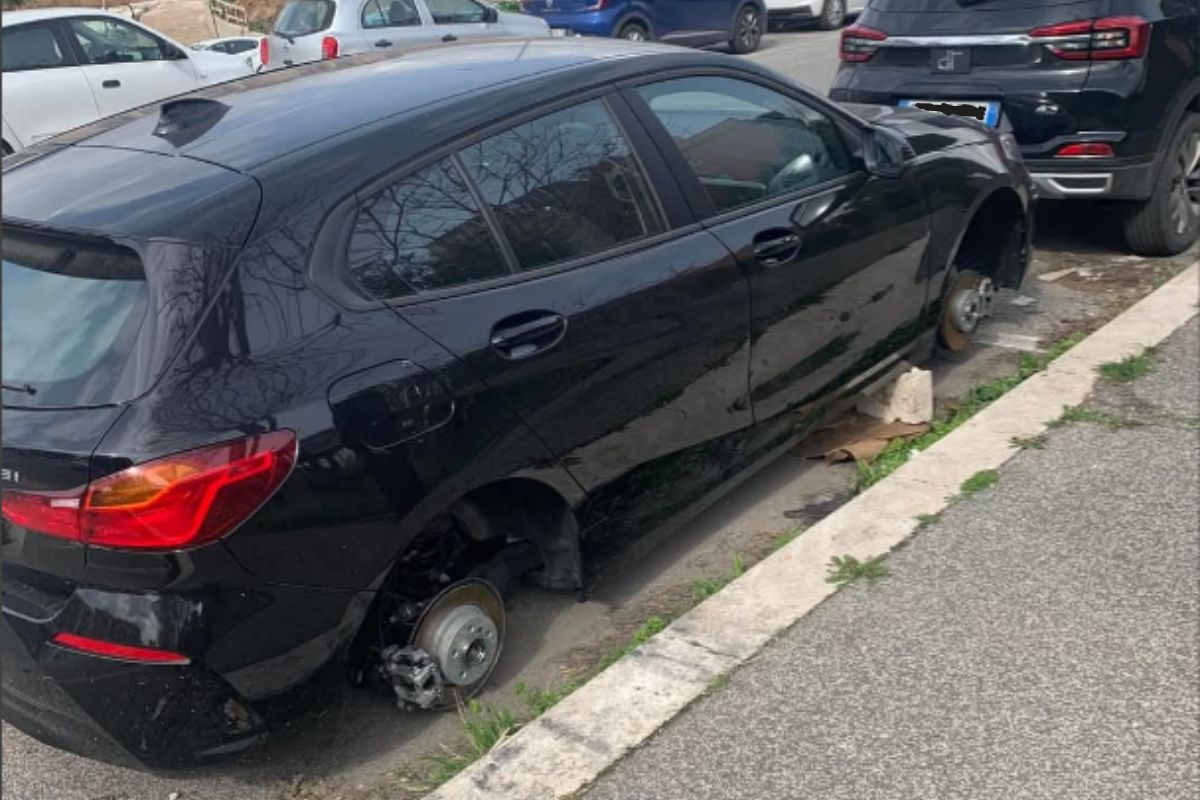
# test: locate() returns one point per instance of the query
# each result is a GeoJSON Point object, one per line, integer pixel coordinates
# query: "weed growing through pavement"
{"type": "Point", "coordinates": [485, 726]}
{"type": "Point", "coordinates": [719, 682]}
{"type": "Point", "coordinates": [705, 588]}
{"type": "Point", "coordinates": [925, 520]}
{"type": "Point", "coordinates": [1030, 442]}
{"type": "Point", "coordinates": [788, 536]}
{"type": "Point", "coordinates": [847, 569]}
{"type": "Point", "coordinates": [1130, 368]}
{"type": "Point", "coordinates": [984, 479]}
{"type": "Point", "coordinates": [1093, 415]}
{"type": "Point", "coordinates": [899, 451]}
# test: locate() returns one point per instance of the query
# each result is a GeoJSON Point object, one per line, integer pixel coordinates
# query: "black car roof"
{"type": "Point", "coordinates": [254, 120]}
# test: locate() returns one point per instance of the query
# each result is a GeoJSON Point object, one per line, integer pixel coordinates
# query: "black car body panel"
{"type": "Point", "coordinates": [599, 394]}
{"type": "Point", "coordinates": [1132, 104]}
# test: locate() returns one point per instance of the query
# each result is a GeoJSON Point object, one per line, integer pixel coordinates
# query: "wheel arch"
{"type": "Point", "coordinates": [991, 217]}
{"type": "Point", "coordinates": [633, 15]}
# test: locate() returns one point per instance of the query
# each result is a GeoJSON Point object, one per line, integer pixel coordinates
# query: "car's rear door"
{"type": "Point", "coordinates": [45, 91]}
{"type": "Point", "coordinates": [835, 255]}
{"type": "Point", "coordinates": [458, 19]}
{"type": "Point", "coordinates": [554, 261]}
{"type": "Point", "coordinates": [393, 23]}
{"type": "Point", "coordinates": [125, 65]}
{"type": "Point", "coordinates": [1005, 51]}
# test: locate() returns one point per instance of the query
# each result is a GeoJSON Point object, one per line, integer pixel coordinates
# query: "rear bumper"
{"type": "Point", "coordinates": [1106, 179]}
{"type": "Point", "coordinates": [587, 23]}
{"type": "Point", "coordinates": [792, 12]}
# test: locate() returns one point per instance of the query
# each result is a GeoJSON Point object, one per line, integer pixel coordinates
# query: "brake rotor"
{"type": "Point", "coordinates": [463, 630]}
{"type": "Point", "coordinates": [968, 302]}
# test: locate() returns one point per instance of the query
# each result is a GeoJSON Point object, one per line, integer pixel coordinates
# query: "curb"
{"type": "Point", "coordinates": [569, 746]}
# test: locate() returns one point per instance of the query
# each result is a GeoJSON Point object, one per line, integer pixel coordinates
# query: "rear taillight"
{"type": "Point", "coordinates": [181, 501]}
{"type": "Point", "coordinates": [264, 51]}
{"type": "Point", "coordinates": [599, 5]}
{"type": "Point", "coordinates": [859, 43]}
{"type": "Point", "coordinates": [1085, 150]}
{"type": "Point", "coordinates": [1096, 40]}
{"type": "Point", "coordinates": [121, 652]}
{"type": "Point", "coordinates": [329, 47]}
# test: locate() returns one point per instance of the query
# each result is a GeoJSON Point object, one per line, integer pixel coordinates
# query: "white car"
{"type": "Point", "coordinates": [65, 67]}
{"type": "Point", "coordinates": [311, 30]}
{"type": "Point", "coordinates": [248, 48]}
{"type": "Point", "coordinates": [828, 14]}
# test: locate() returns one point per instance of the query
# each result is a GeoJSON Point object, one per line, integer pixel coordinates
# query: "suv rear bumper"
{"type": "Point", "coordinates": [1108, 179]}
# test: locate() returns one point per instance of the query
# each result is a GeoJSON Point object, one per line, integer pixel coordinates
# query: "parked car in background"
{"type": "Point", "coordinates": [64, 67]}
{"type": "Point", "coordinates": [827, 14]}
{"type": "Point", "coordinates": [318, 387]}
{"type": "Point", "coordinates": [315, 30]}
{"type": "Point", "coordinates": [1103, 95]}
{"type": "Point", "coordinates": [696, 23]}
{"type": "Point", "coordinates": [252, 49]}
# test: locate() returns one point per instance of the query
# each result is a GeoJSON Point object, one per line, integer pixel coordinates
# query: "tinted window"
{"type": "Point", "coordinates": [394, 14]}
{"type": "Point", "coordinates": [564, 185]}
{"type": "Point", "coordinates": [420, 234]}
{"type": "Point", "coordinates": [110, 41]}
{"type": "Point", "coordinates": [67, 305]}
{"type": "Point", "coordinates": [302, 17]}
{"type": "Point", "coordinates": [745, 142]}
{"type": "Point", "coordinates": [30, 47]}
{"type": "Point", "coordinates": [238, 46]}
{"type": "Point", "coordinates": [448, 12]}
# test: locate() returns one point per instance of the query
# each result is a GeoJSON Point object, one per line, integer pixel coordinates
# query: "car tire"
{"type": "Point", "coordinates": [749, 24]}
{"type": "Point", "coordinates": [1169, 222]}
{"type": "Point", "coordinates": [833, 15]}
{"type": "Point", "coordinates": [634, 32]}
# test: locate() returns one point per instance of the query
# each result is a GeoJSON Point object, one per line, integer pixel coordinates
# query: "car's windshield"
{"type": "Point", "coordinates": [302, 17]}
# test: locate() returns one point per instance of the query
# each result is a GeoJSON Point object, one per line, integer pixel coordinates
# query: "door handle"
{"type": "Point", "coordinates": [776, 246]}
{"type": "Point", "coordinates": [521, 336]}
{"type": "Point", "coordinates": [383, 43]}
{"type": "Point", "coordinates": [449, 37]}
{"type": "Point", "coordinates": [111, 84]}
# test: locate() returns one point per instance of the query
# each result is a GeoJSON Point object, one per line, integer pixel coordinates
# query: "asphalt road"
{"type": "Point", "coordinates": [1041, 640]}
{"type": "Point", "coordinates": [360, 741]}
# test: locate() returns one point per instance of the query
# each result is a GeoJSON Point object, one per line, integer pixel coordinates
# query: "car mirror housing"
{"type": "Point", "coordinates": [491, 15]}
{"type": "Point", "coordinates": [884, 152]}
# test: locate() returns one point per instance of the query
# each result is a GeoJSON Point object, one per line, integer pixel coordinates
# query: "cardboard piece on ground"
{"type": "Point", "coordinates": [855, 437]}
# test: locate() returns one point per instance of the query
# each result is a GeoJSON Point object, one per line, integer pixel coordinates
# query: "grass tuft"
{"type": "Point", "coordinates": [705, 588]}
{"type": "Point", "coordinates": [1131, 367]}
{"type": "Point", "coordinates": [1093, 415]}
{"type": "Point", "coordinates": [788, 536]}
{"type": "Point", "coordinates": [847, 569]}
{"type": "Point", "coordinates": [1030, 442]}
{"type": "Point", "coordinates": [485, 726]}
{"type": "Point", "coordinates": [984, 479]}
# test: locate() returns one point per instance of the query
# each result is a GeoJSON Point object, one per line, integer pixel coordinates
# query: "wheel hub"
{"type": "Point", "coordinates": [465, 645]}
{"type": "Point", "coordinates": [970, 305]}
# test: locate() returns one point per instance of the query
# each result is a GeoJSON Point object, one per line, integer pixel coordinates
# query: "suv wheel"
{"type": "Point", "coordinates": [634, 32]}
{"type": "Point", "coordinates": [833, 15]}
{"type": "Point", "coordinates": [1169, 221]}
{"type": "Point", "coordinates": [748, 27]}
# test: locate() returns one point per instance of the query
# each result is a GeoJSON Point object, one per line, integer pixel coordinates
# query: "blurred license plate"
{"type": "Point", "coordinates": [985, 111]}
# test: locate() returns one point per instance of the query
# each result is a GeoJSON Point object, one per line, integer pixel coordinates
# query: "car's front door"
{"type": "Point", "coordinates": [543, 259]}
{"type": "Point", "coordinates": [459, 19]}
{"type": "Point", "coordinates": [126, 66]}
{"type": "Point", "coordinates": [45, 91]}
{"type": "Point", "coordinates": [393, 23]}
{"type": "Point", "coordinates": [834, 254]}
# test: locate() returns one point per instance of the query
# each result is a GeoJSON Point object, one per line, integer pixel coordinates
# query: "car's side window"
{"type": "Point", "coordinates": [746, 142]}
{"type": "Point", "coordinates": [423, 233]}
{"type": "Point", "coordinates": [111, 41]}
{"type": "Point", "coordinates": [394, 14]}
{"type": "Point", "coordinates": [31, 47]}
{"type": "Point", "coordinates": [456, 12]}
{"type": "Point", "coordinates": [564, 185]}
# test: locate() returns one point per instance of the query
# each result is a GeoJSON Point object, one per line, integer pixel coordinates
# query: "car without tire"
{"type": "Point", "coordinates": [65, 67]}
{"type": "Point", "coordinates": [293, 395]}
{"type": "Point", "coordinates": [1102, 95]}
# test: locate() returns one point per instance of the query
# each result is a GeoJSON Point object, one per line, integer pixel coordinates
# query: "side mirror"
{"type": "Point", "coordinates": [490, 14]}
{"type": "Point", "coordinates": [884, 152]}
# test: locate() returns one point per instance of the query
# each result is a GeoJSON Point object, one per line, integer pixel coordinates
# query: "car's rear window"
{"type": "Point", "coordinates": [302, 17]}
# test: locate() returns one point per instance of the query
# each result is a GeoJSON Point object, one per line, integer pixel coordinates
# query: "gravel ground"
{"type": "Point", "coordinates": [1039, 641]}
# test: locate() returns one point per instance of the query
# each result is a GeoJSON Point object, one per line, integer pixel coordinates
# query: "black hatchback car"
{"type": "Point", "coordinates": [306, 370]}
{"type": "Point", "coordinates": [1102, 95]}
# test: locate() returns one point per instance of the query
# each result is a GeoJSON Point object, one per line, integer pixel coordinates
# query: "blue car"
{"type": "Point", "coordinates": [697, 23]}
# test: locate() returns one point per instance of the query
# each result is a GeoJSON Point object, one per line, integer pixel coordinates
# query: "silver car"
{"type": "Point", "coordinates": [312, 30]}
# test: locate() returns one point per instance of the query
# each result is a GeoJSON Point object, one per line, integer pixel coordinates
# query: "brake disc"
{"type": "Point", "coordinates": [462, 629]}
{"type": "Point", "coordinates": [968, 302]}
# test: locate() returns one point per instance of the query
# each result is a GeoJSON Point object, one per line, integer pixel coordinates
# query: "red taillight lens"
{"type": "Point", "coordinates": [124, 652]}
{"type": "Point", "coordinates": [1096, 40]}
{"type": "Point", "coordinates": [599, 5]}
{"type": "Point", "coordinates": [264, 51]}
{"type": "Point", "coordinates": [329, 47]}
{"type": "Point", "coordinates": [859, 43]}
{"type": "Point", "coordinates": [180, 501]}
{"type": "Point", "coordinates": [1085, 150]}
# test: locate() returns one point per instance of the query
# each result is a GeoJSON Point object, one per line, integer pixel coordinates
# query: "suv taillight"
{"type": "Point", "coordinates": [859, 43]}
{"type": "Point", "coordinates": [1096, 40]}
{"type": "Point", "coordinates": [329, 47]}
{"type": "Point", "coordinates": [181, 501]}
{"type": "Point", "coordinates": [264, 51]}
